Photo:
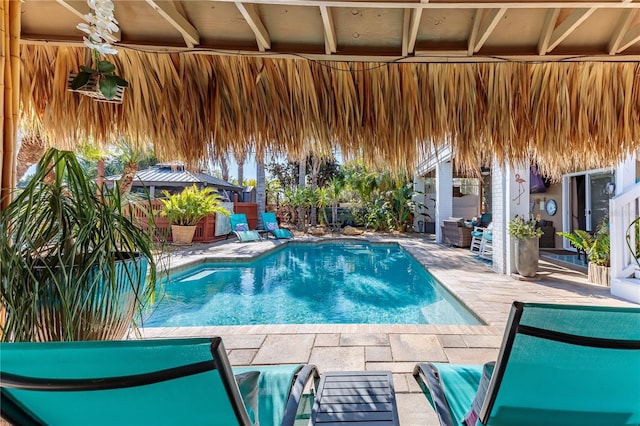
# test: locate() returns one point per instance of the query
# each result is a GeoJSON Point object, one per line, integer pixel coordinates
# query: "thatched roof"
{"type": "Point", "coordinates": [565, 116]}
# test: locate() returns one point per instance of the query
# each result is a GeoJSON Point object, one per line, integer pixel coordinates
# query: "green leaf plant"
{"type": "Point", "coordinates": [103, 73]}
{"type": "Point", "coordinates": [76, 263]}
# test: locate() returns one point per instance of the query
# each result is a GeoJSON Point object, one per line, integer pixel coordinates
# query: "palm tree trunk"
{"type": "Point", "coordinates": [302, 177]}
{"type": "Point", "coordinates": [261, 188]}
{"type": "Point", "coordinates": [128, 174]}
{"type": "Point", "coordinates": [315, 169]}
{"type": "Point", "coordinates": [224, 167]}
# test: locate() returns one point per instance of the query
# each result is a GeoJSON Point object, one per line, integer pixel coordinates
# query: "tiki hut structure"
{"type": "Point", "coordinates": [390, 82]}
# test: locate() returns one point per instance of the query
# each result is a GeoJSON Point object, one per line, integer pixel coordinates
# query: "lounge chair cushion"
{"type": "Point", "coordinates": [248, 385]}
{"type": "Point", "coordinates": [242, 227]}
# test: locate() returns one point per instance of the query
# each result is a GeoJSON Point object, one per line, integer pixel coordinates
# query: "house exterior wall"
{"type": "Point", "coordinates": [444, 195]}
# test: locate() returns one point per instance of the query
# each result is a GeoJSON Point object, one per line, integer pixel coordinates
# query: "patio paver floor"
{"type": "Point", "coordinates": [396, 347]}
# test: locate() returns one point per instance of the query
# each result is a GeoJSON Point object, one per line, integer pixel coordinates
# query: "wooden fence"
{"type": "Point", "coordinates": [205, 229]}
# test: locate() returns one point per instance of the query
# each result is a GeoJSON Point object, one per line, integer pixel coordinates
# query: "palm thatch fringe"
{"type": "Point", "coordinates": [564, 116]}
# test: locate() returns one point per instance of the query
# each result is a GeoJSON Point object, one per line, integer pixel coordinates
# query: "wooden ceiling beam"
{"type": "Point", "coordinates": [408, 4]}
{"type": "Point", "coordinates": [422, 55]}
{"type": "Point", "coordinates": [567, 26]}
{"type": "Point", "coordinates": [168, 11]}
{"type": "Point", "coordinates": [489, 23]}
{"type": "Point", "coordinates": [621, 30]}
{"type": "Point", "coordinates": [80, 8]}
{"type": "Point", "coordinates": [250, 13]}
{"type": "Point", "coordinates": [330, 39]}
{"type": "Point", "coordinates": [547, 30]}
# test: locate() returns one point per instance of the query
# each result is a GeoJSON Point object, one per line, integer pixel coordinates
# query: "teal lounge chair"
{"type": "Point", "coordinates": [271, 224]}
{"type": "Point", "coordinates": [240, 227]}
{"type": "Point", "coordinates": [558, 365]}
{"type": "Point", "coordinates": [144, 382]}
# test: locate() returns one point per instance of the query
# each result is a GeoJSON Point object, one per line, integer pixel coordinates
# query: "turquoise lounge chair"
{"type": "Point", "coordinates": [240, 227]}
{"type": "Point", "coordinates": [144, 382]}
{"type": "Point", "coordinates": [271, 224]}
{"type": "Point", "coordinates": [558, 365]}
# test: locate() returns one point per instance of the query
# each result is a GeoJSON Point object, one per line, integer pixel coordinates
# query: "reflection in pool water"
{"type": "Point", "coordinates": [326, 283]}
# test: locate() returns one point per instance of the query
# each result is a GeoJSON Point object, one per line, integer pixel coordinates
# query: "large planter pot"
{"type": "Point", "coordinates": [111, 297]}
{"type": "Point", "coordinates": [598, 274]}
{"type": "Point", "coordinates": [527, 253]}
{"type": "Point", "coordinates": [182, 234]}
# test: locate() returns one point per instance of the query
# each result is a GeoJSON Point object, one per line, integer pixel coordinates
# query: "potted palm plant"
{"type": "Point", "coordinates": [598, 250]}
{"type": "Point", "coordinates": [185, 209]}
{"type": "Point", "coordinates": [527, 236]}
{"type": "Point", "coordinates": [74, 262]}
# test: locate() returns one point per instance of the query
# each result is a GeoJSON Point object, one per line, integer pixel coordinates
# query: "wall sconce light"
{"type": "Point", "coordinates": [610, 188]}
{"type": "Point", "coordinates": [542, 202]}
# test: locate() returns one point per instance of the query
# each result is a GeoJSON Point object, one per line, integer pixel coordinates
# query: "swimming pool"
{"type": "Point", "coordinates": [310, 283]}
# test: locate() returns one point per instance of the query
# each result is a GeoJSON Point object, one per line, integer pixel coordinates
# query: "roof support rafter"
{"type": "Point", "coordinates": [621, 31]}
{"type": "Point", "coordinates": [330, 39]}
{"type": "Point", "coordinates": [477, 18]}
{"type": "Point", "coordinates": [81, 8]}
{"type": "Point", "coordinates": [632, 37]}
{"type": "Point", "coordinates": [250, 13]}
{"type": "Point", "coordinates": [414, 17]}
{"type": "Point", "coordinates": [489, 23]}
{"type": "Point", "coordinates": [567, 26]}
{"type": "Point", "coordinates": [547, 29]}
{"type": "Point", "coordinates": [167, 9]}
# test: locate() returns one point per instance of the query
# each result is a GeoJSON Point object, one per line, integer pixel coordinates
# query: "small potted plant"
{"type": "Point", "coordinates": [598, 250]}
{"type": "Point", "coordinates": [527, 236]}
{"type": "Point", "coordinates": [185, 209]}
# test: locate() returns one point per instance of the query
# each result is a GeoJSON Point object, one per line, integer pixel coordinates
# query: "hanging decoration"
{"type": "Point", "coordinates": [98, 80]}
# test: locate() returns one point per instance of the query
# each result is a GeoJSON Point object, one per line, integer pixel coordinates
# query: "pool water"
{"type": "Point", "coordinates": [302, 283]}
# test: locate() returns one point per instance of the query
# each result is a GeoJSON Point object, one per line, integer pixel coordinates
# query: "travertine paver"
{"type": "Point", "coordinates": [414, 410]}
{"type": "Point", "coordinates": [242, 356]}
{"type": "Point", "coordinates": [340, 359]}
{"type": "Point", "coordinates": [378, 353]}
{"type": "Point", "coordinates": [285, 349]}
{"type": "Point", "coordinates": [363, 339]}
{"type": "Point", "coordinates": [332, 339]}
{"type": "Point", "coordinates": [475, 341]}
{"type": "Point", "coordinates": [471, 355]}
{"type": "Point", "coordinates": [396, 347]}
{"type": "Point", "coordinates": [240, 341]}
{"type": "Point", "coordinates": [416, 347]}
{"type": "Point", "coordinates": [452, 341]}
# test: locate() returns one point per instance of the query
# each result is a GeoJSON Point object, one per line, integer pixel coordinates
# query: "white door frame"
{"type": "Point", "coordinates": [566, 200]}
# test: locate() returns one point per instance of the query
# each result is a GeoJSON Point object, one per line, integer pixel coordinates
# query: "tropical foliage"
{"type": "Point", "coordinates": [188, 207]}
{"type": "Point", "coordinates": [633, 239]}
{"type": "Point", "coordinates": [596, 245]}
{"type": "Point", "coordinates": [523, 229]}
{"type": "Point", "coordinates": [64, 244]}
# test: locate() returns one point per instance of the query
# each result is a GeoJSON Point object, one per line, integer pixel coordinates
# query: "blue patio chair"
{"type": "Point", "coordinates": [150, 382]}
{"type": "Point", "coordinates": [558, 365]}
{"type": "Point", "coordinates": [271, 224]}
{"type": "Point", "coordinates": [240, 227]}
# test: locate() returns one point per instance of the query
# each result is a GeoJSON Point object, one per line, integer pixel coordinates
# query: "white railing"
{"type": "Point", "coordinates": [623, 210]}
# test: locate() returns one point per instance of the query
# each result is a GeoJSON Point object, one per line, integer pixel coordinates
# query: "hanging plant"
{"type": "Point", "coordinates": [99, 80]}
